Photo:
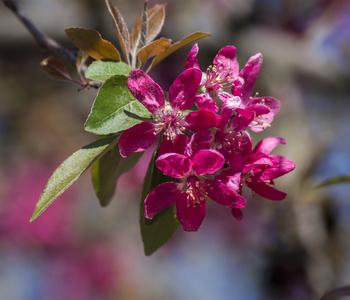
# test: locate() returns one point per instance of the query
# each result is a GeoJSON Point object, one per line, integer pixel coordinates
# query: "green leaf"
{"type": "Point", "coordinates": [335, 180]}
{"type": "Point", "coordinates": [107, 170]}
{"type": "Point", "coordinates": [156, 232]}
{"type": "Point", "coordinates": [90, 41]}
{"type": "Point", "coordinates": [115, 108]}
{"type": "Point", "coordinates": [185, 41]}
{"type": "Point", "coordinates": [69, 171]}
{"type": "Point", "coordinates": [103, 69]}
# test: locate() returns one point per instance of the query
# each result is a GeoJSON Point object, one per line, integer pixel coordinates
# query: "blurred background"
{"type": "Point", "coordinates": [294, 249]}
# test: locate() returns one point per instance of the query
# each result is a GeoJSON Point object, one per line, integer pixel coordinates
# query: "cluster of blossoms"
{"type": "Point", "coordinates": [208, 151]}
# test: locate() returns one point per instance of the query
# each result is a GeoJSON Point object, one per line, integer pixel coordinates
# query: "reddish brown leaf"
{"type": "Point", "coordinates": [155, 16]}
{"type": "Point", "coordinates": [55, 69]}
{"type": "Point", "coordinates": [157, 47]}
{"type": "Point", "coordinates": [120, 27]}
{"type": "Point", "coordinates": [90, 41]}
{"type": "Point", "coordinates": [185, 41]}
{"type": "Point", "coordinates": [82, 57]}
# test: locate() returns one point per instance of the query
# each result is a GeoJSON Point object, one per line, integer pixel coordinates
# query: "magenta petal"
{"type": "Point", "coordinates": [200, 140]}
{"type": "Point", "coordinates": [191, 60]}
{"type": "Point", "coordinates": [266, 191]}
{"type": "Point", "coordinates": [236, 161]}
{"type": "Point", "coordinates": [268, 144]}
{"type": "Point", "coordinates": [205, 102]}
{"type": "Point", "coordinates": [263, 118]}
{"type": "Point", "coordinates": [243, 118]}
{"type": "Point", "coordinates": [226, 60]}
{"type": "Point", "coordinates": [222, 195]}
{"type": "Point", "coordinates": [184, 89]}
{"type": "Point", "coordinates": [207, 161]}
{"type": "Point", "coordinates": [229, 107]}
{"type": "Point", "coordinates": [250, 73]}
{"type": "Point", "coordinates": [161, 197]}
{"type": "Point", "coordinates": [257, 161]}
{"type": "Point", "coordinates": [270, 102]}
{"type": "Point", "coordinates": [190, 217]}
{"type": "Point", "coordinates": [176, 145]}
{"type": "Point", "coordinates": [144, 89]}
{"type": "Point", "coordinates": [245, 144]}
{"type": "Point", "coordinates": [174, 164]}
{"type": "Point", "coordinates": [137, 138]}
{"type": "Point", "coordinates": [234, 101]}
{"type": "Point", "coordinates": [230, 180]}
{"type": "Point", "coordinates": [281, 166]}
{"type": "Point", "coordinates": [237, 213]}
{"type": "Point", "coordinates": [259, 109]}
{"type": "Point", "coordinates": [201, 119]}
{"type": "Point", "coordinates": [237, 87]}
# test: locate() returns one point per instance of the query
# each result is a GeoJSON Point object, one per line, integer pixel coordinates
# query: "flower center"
{"type": "Point", "coordinates": [171, 121]}
{"type": "Point", "coordinates": [219, 76]}
{"type": "Point", "coordinates": [196, 194]}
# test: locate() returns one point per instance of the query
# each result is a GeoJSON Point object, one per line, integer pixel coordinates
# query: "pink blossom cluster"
{"type": "Point", "coordinates": [207, 150]}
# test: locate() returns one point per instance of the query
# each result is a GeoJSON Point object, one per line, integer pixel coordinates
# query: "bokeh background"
{"type": "Point", "coordinates": [295, 249]}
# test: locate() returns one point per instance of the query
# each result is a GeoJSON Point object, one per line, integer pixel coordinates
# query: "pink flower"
{"type": "Point", "coordinates": [195, 188]}
{"type": "Point", "coordinates": [218, 76]}
{"type": "Point", "coordinates": [231, 135]}
{"type": "Point", "coordinates": [264, 108]}
{"type": "Point", "coordinates": [260, 168]}
{"type": "Point", "coordinates": [169, 118]}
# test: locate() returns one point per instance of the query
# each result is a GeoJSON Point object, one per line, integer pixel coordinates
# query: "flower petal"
{"type": "Point", "coordinates": [201, 119]}
{"type": "Point", "coordinates": [221, 194]}
{"type": "Point", "coordinates": [161, 197]}
{"type": "Point", "coordinates": [230, 180]}
{"type": "Point", "coordinates": [191, 60]}
{"type": "Point", "coordinates": [174, 164]}
{"type": "Point", "coordinates": [144, 89]}
{"type": "Point", "coordinates": [263, 117]}
{"type": "Point", "coordinates": [244, 144]}
{"type": "Point", "coordinates": [259, 109]}
{"type": "Point", "coordinates": [243, 118]}
{"type": "Point", "coordinates": [236, 161]}
{"type": "Point", "coordinates": [200, 140]}
{"type": "Point", "coordinates": [176, 144]}
{"type": "Point", "coordinates": [137, 138]}
{"type": "Point", "coordinates": [268, 144]}
{"type": "Point", "coordinates": [190, 217]}
{"type": "Point", "coordinates": [205, 102]}
{"type": "Point", "coordinates": [237, 213]}
{"type": "Point", "coordinates": [226, 60]}
{"type": "Point", "coordinates": [250, 73]}
{"type": "Point", "coordinates": [237, 87]}
{"type": "Point", "coordinates": [184, 89]}
{"type": "Point", "coordinates": [228, 108]}
{"type": "Point", "coordinates": [224, 97]}
{"type": "Point", "coordinates": [266, 191]}
{"type": "Point", "coordinates": [207, 161]}
{"type": "Point", "coordinates": [272, 103]}
{"type": "Point", "coordinates": [281, 166]}
{"type": "Point", "coordinates": [257, 161]}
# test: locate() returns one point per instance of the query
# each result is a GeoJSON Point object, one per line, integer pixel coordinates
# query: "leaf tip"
{"type": "Point", "coordinates": [34, 216]}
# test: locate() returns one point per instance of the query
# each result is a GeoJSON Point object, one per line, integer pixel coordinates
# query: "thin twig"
{"type": "Point", "coordinates": [43, 40]}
